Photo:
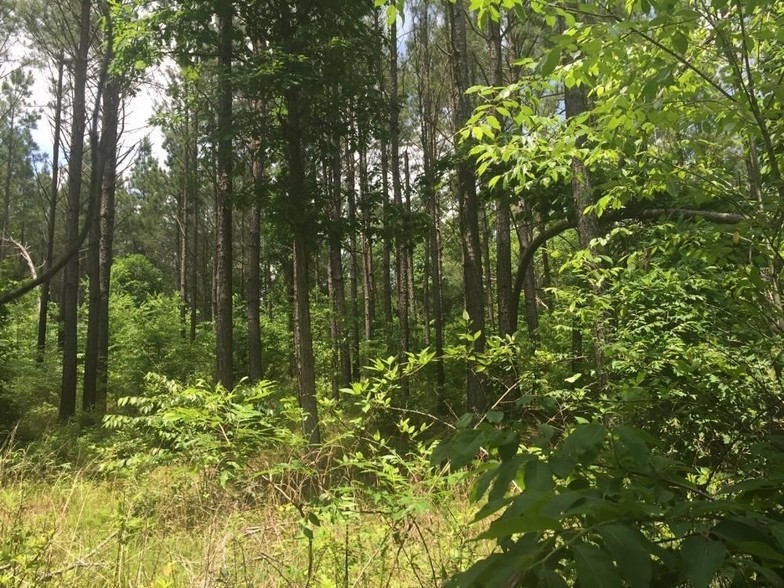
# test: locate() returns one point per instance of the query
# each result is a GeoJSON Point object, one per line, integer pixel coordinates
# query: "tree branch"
{"type": "Point", "coordinates": [722, 218]}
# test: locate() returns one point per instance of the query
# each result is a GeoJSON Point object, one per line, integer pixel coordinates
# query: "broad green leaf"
{"type": "Point", "coordinates": [680, 42]}
{"type": "Point", "coordinates": [550, 579]}
{"type": "Point", "coordinates": [526, 524]}
{"type": "Point", "coordinates": [629, 549]}
{"type": "Point", "coordinates": [701, 559]}
{"type": "Point", "coordinates": [538, 476]}
{"type": "Point", "coordinates": [738, 530]}
{"type": "Point", "coordinates": [761, 550]}
{"type": "Point", "coordinates": [594, 567]}
{"type": "Point", "coordinates": [584, 442]}
{"type": "Point", "coordinates": [550, 61]}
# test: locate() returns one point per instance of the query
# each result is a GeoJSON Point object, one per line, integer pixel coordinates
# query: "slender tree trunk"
{"type": "Point", "coordinates": [411, 287]}
{"type": "Point", "coordinates": [43, 310]}
{"type": "Point", "coordinates": [368, 278]}
{"type": "Point", "coordinates": [224, 372]}
{"type": "Point", "coordinates": [253, 291]}
{"type": "Point", "coordinates": [303, 336]}
{"type": "Point", "coordinates": [386, 259]}
{"type": "Point", "coordinates": [9, 174]}
{"type": "Point", "coordinates": [105, 254]}
{"type": "Point", "coordinates": [524, 236]}
{"type": "Point", "coordinates": [354, 284]}
{"type": "Point", "coordinates": [503, 242]}
{"type": "Point", "coordinates": [488, 272]}
{"type": "Point", "coordinates": [194, 211]}
{"type": "Point", "coordinates": [587, 224]}
{"type": "Point", "coordinates": [428, 114]}
{"type": "Point", "coordinates": [397, 190]}
{"type": "Point", "coordinates": [468, 203]}
{"type": "Point", "coordinates": [100, 147]}
{"type": "Point", "coordinates": [183, 229]}
{"type": "Point", "coordinates": [70, 295]}
{"type": "Point", "coordinates": [337, 290]}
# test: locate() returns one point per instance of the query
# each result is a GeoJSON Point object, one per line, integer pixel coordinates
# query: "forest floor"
{"type": "Point", "coordinates": [69, 526]}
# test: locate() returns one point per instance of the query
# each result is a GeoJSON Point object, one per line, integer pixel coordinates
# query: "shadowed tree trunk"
{"type": "Point", "coordinates": [224, 372]}
{"type": "Point", "coordinates": [397, 191]}
{"type": "Point", "coordinates": [43, 310]}
{"type": "Point", "coordinates": [368, 278]}
{"type": "Point", "coordinates": [468, 203]}
{"type": "Point", "coordinates": [253, 284]}
{"type": "Point", "coordinates": [503, 244]}
{"type": "Point", "coordinates": [70, 294]}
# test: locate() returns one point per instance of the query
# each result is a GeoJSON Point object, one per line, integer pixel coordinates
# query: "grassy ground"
{"type": "Point", "coordinates": [68, 527]}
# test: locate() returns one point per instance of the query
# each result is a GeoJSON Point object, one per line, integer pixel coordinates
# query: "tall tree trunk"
{"type": "Point", "coordinates": [70, 295]}
{"type": "Point", "coordinates": [9, 174]}
{"type": "Point", "coordinates": [105, 255]}
{"type": "Point", "coordinates": [368, 278]}
{"type": "Point", "coordinates": [354, 284]}
{"type": "Point", "coordinates": [524, 236]}
{"type": "Point", "coordinates": [397, 190]}
{"type": "Point", "coordinates": [428, 115]}
{"type": "Point", "coordinates": [224, 372]}
{"type": "Point", "coordinates": [43, 310]}
{"type": "Point", "coordinates": [335, 283]}
{"type": "Point", "coordinates": [468, 203]}
{"type": "Point", "coordinates": [183, 227]}
{"type": "Point", "coordinates": [194, 222]}
{"type": "Point", "coordinates": [303, 336]}
{"type": "Point", "coordinates": [487, 269]}
{"type": "Point", "coordinates": [587, 224]}
{"type": "Point", "coordinates": [503, 243]}
{"type": "Point", "coordinates": [411, 288]}
{"type": "Point", "coordinates": [107, 99]}
{"type": "Point", "coordinates": [253, 291]}
{"type": "Point", "coordinates": [386, 254]}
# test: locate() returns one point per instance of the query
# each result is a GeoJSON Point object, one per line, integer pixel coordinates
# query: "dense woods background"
{"type": "Point", "coordinates": [404, 266]}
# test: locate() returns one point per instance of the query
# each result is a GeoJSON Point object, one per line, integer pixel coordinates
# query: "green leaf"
{"type": "Point", "coordinates": [391, 14]}
{"type": "Point", "coordinates": [680, 42]}
{"type": "Point", "coordinates": [494, 416]}
{"type": "Point", "coordinates": [629, 549]}
{"type": "Point", "coordinates": [550, 61]}
{"type": "Point", "coordinates": [594, 567]}
{"type": "Point", "coordinates": [538, 476]}
{"type": "Point", "coordinates": [584, 442]}
{"type": "Point", "coordinates": [525, 524]}
{"type": "Point", "coordinates": [702, 559]}
{"type": "Point", "coordinates": [549, 579]}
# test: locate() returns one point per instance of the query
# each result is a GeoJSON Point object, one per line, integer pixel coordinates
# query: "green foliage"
{"type": "Point", "coordinates": [214, 430]}
{"type": "Point", "coordinates": [136, 276]}
{"type": "Point", "coordinates": [28, 388]}
{"type": "Point", "coordinates": [604, 507]}
{"type": "Point", "coordinates": [148, 336]}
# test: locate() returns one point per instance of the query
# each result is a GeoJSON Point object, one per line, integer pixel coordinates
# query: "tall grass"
{"type": "Point", "coordinates": [170, 527]}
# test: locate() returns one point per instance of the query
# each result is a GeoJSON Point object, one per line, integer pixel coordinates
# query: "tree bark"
{"type": "Point", "coordinates": [70, 295]}
{"type": "Point", "coordinates": [397, 191]}
{"type": "Point", "coordinates": [354, 284]}
{"type": "Point", "coordinates": [341, 377]}
{"type": "Point", "coordinates": [368, 277]}
{"type": "Point", "coordinates": [43, 310]}
{"type": "Point", "coordinates": [253, 284]}
{"type": "Point", "coordinates": [503, 244]}
{"type": "Point", "coordinates": [428, 115]}
{"type": "Point", "coordinates": [224, 371]}
{"type": "Point", "coordinates": [298, 201]}
{"type": "Point", "coordinates": [468, 204]}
